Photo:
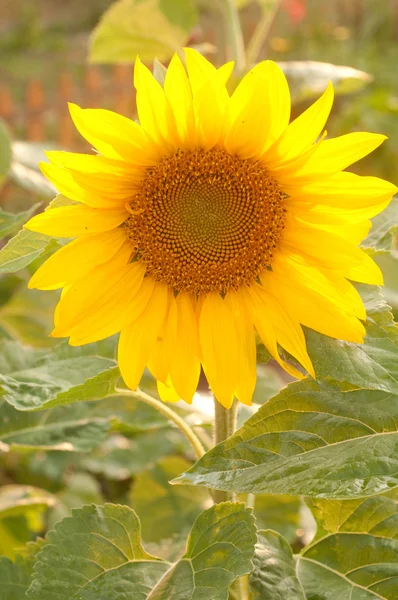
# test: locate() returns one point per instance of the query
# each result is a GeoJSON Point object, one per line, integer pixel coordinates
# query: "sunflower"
{"type": "Point", "coordinates": [211, 221]}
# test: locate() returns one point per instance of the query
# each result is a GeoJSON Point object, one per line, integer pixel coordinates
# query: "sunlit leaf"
{"type": "Point", "coordinates": [354, 554]}
{"type": "Point", "coordinates": [150, 28]}
{"type": "Point", "coordinates": [314, 438]}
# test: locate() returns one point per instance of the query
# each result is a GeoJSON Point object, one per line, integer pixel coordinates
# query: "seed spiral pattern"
{"type": "Point", "coordinates": [206, 221]}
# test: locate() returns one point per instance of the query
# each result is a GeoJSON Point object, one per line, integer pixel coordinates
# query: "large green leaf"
{"type": "Point", "coordinates": [220, 548]}
{"type": "Point", "coordinates": [59, 428]}
{"type": "Point", "coordinates": [96, 555]}
{"type": "Point", "coordinates": [34, 379]}
{"type": "Point", "coordinates": [123, 31]}
{"type": "Point", "coordinates": [354, 554]}
{"type": "Point", "coordinates": [274, 574]}
{"type": "Point", "coordinates": [384, 227]}
{"type": "Point", "coordinates": [313, 438]}
{"type": "Point", "coordinates": [373, 364]}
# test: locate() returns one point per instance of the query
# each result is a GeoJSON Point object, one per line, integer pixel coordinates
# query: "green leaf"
{"type": "Point", "coordinates": [95, 555]}
{"type": "Point", "coordinates": [34, 379]}
{"type": "Point", "coordinates": [5, 152]}
{"type": "Point", "coordinates": [28, 315]}
{"type": "Point", "coordinates": [274, 574]}
{"type": "Point", "coordinates": [310, 78]}
{"type": "Point", "coordinates": [54, 429]}
{"type": "Point", "coordinates": [27, 245]}
{"type": "Point", "coordinates": [14, 579]}
{"type": "Point", "coordinates": [123, 31]}
{"type": "Point", "coordinates": [313, 438]}
{"type": "Point", "coordinates": [11, 222]}
{"type": "Point", "coordinates": [373, 364]}
{"type": "Point", "coordinates": [220, 548]}
{"type": "Point", "coordinates": [384, 227]}
{"type": "Point", "coordinates": [21, 510]}
{"type": "Point", "coordinates": [23, 249]}
{"type": "Point", "coordinates": [165, 510]}
{"type": "Point", "coordinates": [354, 554]}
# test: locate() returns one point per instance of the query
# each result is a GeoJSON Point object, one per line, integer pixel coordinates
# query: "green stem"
{"type": "Point", "coordinates": [224, 427]}
{"type": "Point", "coordinates": [169, 413]}
{"type": "Point", "coordinates": [235, 36]}
{"type": "Point", "coordinates": [261, 33]}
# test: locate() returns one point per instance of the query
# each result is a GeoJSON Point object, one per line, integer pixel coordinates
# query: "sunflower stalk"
{"type": "Point", "coordinates": [224, 427]}
{"type": "Point", "coordinates": [235, 36]}
{"type": "Point", "coordinates": [170, 414]}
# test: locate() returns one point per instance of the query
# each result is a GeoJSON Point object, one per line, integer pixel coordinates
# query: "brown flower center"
{"type": "Point", "coordinates": [206, 221]}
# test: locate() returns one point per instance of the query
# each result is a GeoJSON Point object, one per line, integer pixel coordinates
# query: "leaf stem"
{"type": "Point", "coordinates": [169, 413]}
{"type": "Point", "coordinates": [261, 32]}
{"type": "Point", "coordinates": [235, 35]}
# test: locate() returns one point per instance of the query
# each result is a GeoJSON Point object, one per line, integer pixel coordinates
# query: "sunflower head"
{"type": "Point", "coordinates": [211, 220]}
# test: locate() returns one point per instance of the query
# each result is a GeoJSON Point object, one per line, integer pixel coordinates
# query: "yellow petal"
{"type": "Point", "coordinates": [280, 104]}
{"type": "Point", "coordinates": [309, 280]}
{"type": "Point", "coordinates": [138, 339]}
{"type": "Point", "coordinates": [74, 260]}
{"type": "Point", "coordinates": [303, 131]}
{"type": "Point", "coordinates": [246, 348]}
{"type": "Point", "coordinates": [315, 310]}
{"type": "Point", "coordinates": [154, 112]}
{"type": "Point", "coordinates": [248, 120]}
{"type": "Point", "coordinates": [336, 154]}
{"type": "Point", "coordinates": [159, 361]}
{"type": "Point", "coordinates": [179, 95]}
{"type": "Point", "coordinates": [258, 306]}
{"type": "Point", "coordinates": [219, 344]}
{"type": "Point", "coordinates": [114, 136]}
{"type": "Point", "coordinates": [185, 363]}
{"type": "Point", "coordinates": [100, 302]}
{"type": "Point", "coordinates": [167, 392]}
{"type": "Point", "coordinates": [71, 221]}
{"type": "Point", "coordinates": [320, 248]}
{"type": "Point", "coordinates": [96, 189]}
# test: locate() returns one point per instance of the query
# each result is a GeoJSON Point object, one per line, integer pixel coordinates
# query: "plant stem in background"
{"type": "Point", "coordinates": [235, 36]}
{"type": "Point", "coordinates": [224, 427]}
{"type": "Point", "coordinates": [261, 32]}
{"type": "Point", "coordinates": [170, 414]}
